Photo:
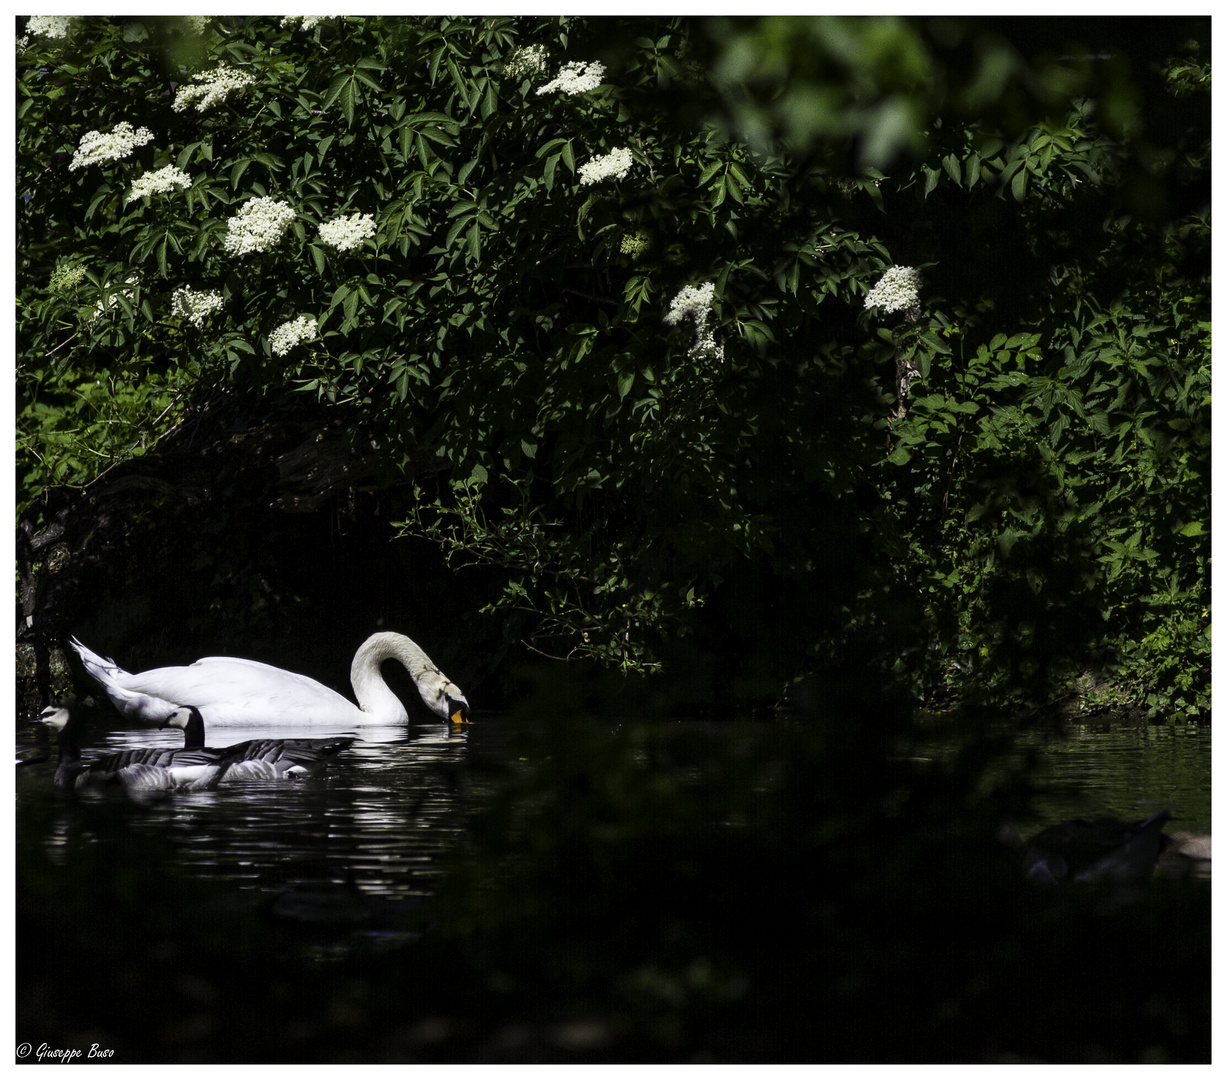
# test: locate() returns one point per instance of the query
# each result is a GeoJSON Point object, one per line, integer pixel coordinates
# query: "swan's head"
{"type": "Point", "coordinates": [457, 709]}
{"type": "Point", "coordinates": [442, 696]}
{"type": "Point", "coordinates": [56, 717]}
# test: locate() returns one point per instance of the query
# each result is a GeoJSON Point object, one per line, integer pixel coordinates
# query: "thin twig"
{"type": "Point", "coordinates": [66, 341]}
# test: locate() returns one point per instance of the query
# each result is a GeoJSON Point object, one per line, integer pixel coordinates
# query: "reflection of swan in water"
{"type": "Point", "coordinates": [144, 771]}
{"type": "Point", "coordinates": [1101, 850]}
{"type": "Point", "coordinates": [232, 692]}
{"type": "Point", "coordinates": [260, 759]}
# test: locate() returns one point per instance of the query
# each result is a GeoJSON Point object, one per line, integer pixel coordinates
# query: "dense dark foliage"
{"type": "Point", "coordinates": [1032, 509]}
{"type": "Point", "coordinates": [643, 360]}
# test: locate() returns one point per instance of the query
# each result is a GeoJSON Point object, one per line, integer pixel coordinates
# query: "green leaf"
{"type": "Point", "coordinates": [489, 104]}
{"type": "Point", "coordinates": [972, 170]}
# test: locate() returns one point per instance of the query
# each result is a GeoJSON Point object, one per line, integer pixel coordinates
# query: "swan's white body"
{"type": "Point", "coordinates": [232, 692]}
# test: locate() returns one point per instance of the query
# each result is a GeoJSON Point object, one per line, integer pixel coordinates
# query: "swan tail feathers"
{"type": "Point", "coordinates": [100, 667]}
{"type": "Point", "coordinates": [142, 708]}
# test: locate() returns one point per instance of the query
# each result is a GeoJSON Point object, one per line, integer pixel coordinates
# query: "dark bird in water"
{"type": "Point", "coordinates": [1090, 851]}
{"type": "Point", "coordinates": [151, 770]}
{"type": "Point", "coordinates": [259, 759]}
{"type": "Point", "coordinates": [1185, 854]}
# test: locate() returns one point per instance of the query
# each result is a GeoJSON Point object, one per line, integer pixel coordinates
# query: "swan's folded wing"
{"type": "Point", "coordinates": [230, 690]}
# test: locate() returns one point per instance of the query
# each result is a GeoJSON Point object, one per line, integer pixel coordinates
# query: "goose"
{"type": "Point", "coordinates": [143, 771]}
{"type": "Point", "coordinates": [259, 759]}
{"type": "Point", "coordinates": [232, 692]}
{"type": "Point", "coordinates": [1091, 851]}
{"type": "Point", "coordinates": [1185, 854]}
{"type": "Point", "coordinates": [1189, 845]}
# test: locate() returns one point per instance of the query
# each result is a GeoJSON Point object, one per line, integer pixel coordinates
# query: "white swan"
{"type": "Point", "coordinates": [259, 759]}
{"type": "Point", "coordinates": [144, 771]}
{"type": "Point", "coordinates": [231, 692]}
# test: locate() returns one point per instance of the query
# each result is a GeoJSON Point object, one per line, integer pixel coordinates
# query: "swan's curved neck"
{"type": "Point", "coordinates": [374, 696]}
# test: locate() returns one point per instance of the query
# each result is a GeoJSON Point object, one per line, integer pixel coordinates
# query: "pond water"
{"type": "Point", "coordinates": [375, 823]}
{"type": "Point", "coordinates": [286, 921]}
{"type": "Point", "coordinates": [367, 830]}
{"type": "Point", "coordinates": [1113, 770]}
{"type": "Point", "coordinates": [1126, 772]}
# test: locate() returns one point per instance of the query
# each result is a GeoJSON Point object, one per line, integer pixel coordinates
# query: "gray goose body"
{"type": "Point", "coordinates": [142, 771]}
{"type": "Point", "coordinates": [259, 759]}
{"type": "Point", "coordinates": [1090, 851]}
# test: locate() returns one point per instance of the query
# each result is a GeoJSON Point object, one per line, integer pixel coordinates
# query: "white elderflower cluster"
{"type": "Point", "coordinates": [53, 26]}
{"type": "Point", "coordinates": [192, 24]}
{"type": "Point", "coordinates": [346, 233]}
{"type": "Point", "coordinates": [691, 303]}
{"type": "Point", "coordinates": [212, 87]}
{"type": "Point", "coordinates": [258, 226]}
{"type": "Point", "coordinates": [96, 147]}
{"type": "Point", "coordinates": [634, 244]}
{"type": "Point", "coordinates": [306, 22]}
{"type": "Point", "coordinates": [576, 77]}
{"type": "Point", "coordinates": [617, 163]}
{"type": "Point", "coordinates": [695, 303]}
{"type": "Point", "coordinates": [154, 183]}
{"type": "Point", "coordinates": [65, 277]}
{"type": "Point", "coordinates": [195, 306]}
{"type": "Point", "coordinates": [289, 334]}
{"type": "Point", "coordinates": [899, 290]}
{"type": "Point", "coordinates": [526, 62]}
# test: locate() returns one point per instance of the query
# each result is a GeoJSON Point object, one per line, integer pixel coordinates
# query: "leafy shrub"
{"type": "Point", "coordinates": [598, 288]}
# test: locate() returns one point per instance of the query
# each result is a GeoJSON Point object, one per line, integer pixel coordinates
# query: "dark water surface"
{"type": "Point", "coordinates": [1126, 772]}
{"type": "Point", "coordinates": [381, 815]}
{"type": "Point", "coordinates": [375, 820]}
{"type": "Point", "coordinates": [288, 921]}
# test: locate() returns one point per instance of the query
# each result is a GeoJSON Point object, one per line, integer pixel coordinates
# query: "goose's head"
{"type": "Point", "coordinates": [186, 717]}
{"type": "Point", "coordinates": [56, 717]}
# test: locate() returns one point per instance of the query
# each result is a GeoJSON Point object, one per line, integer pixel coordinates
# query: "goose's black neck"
{"type": "Point", "coordinates": [193, 730]}
{"type": "Point", "coordinates": [68, 763]}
